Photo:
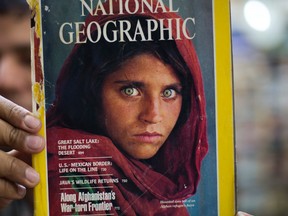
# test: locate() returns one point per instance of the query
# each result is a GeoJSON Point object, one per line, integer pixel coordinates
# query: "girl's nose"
{"type": "Point", "coordinates": [151, 111]}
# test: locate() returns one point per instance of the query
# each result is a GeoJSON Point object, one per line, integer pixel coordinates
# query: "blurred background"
{"type": "Point", "coordinates": [260, 58]}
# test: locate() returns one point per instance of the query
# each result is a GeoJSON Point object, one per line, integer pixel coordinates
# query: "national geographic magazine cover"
{"type": "Point", "coordinates": [135, 98]}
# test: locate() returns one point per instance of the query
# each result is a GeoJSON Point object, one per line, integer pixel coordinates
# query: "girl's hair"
{"type": "Point", "coordinates": [78, 94]}
{"type": "Point", "coordinates": [14, 7]}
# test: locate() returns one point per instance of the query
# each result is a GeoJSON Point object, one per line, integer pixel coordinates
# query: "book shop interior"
{"type": "Point", "coordinates": [259, 33]}
{"type": "Point", "coordinates": [260, 61]}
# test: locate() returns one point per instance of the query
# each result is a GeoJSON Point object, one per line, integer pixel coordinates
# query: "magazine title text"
{"type": "Point", "coordinates": [81, 32]}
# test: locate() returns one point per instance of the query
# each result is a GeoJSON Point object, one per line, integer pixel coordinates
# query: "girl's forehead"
{"type": "Point", "coordinates": [144, 67]}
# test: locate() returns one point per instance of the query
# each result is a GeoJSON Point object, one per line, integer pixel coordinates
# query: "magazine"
{"type": "Point", "coordinates": [135, 98]}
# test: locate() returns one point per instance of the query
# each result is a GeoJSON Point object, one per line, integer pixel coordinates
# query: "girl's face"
{"type": "Point", "coordinates": [141, 102]}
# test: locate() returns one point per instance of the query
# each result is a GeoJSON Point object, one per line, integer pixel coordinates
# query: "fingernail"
{"type": "Point", "coordinates": [31, 121]}
{"type": "Point", "coordinates": [240, 213]}
{"type": "Point", "coordinates": [32, 175]}
{"type": "Point", "coordinates": [21, 190]}
{"type": "Point", "coordinates": [34, 143]}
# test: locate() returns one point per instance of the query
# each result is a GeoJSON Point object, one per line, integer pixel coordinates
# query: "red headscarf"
{"type": "Point", "coordinates": [146, 187]}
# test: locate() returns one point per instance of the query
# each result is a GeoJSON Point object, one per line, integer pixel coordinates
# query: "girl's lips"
{"type": "Point", "coordinates": [148, 137]}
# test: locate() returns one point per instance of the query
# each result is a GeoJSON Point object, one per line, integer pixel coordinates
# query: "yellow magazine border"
{"type": "Point", "coordinates": [224, 108]}
{"type": "Point", "coordinates": [39, 161]}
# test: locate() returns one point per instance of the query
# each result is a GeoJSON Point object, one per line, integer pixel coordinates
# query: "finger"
{"type": "Point", "coordinates": [11, 191]}
{"type": "Point", "coordinates": [26, 158]}
{"type": "Point", "coordinates": [15, 170]}
{"type": "Point", "coordinates": [18, 116]}
{"type": "Point", "coordinates": [19, 139]}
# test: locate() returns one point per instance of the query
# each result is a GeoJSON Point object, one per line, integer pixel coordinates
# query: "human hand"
{"type": "Point", "coordinates": [18, 130]}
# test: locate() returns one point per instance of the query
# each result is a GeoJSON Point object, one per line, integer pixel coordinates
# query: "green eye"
{"type": "Point", "coordinates": [169, 93]}
{"type": "Point", "coordinates": [130, 91]}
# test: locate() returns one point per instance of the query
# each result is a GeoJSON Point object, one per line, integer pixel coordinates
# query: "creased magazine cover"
{"type": "Point", "coordinates": [135, 98]}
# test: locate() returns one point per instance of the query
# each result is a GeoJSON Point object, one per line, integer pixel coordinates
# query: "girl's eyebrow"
{"type": "Point", "coordinates": [130, 82]}
{"type": "Point", "coordinates": [138, 84]}
{"type": "Point", "coordinates": [177, 86]}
